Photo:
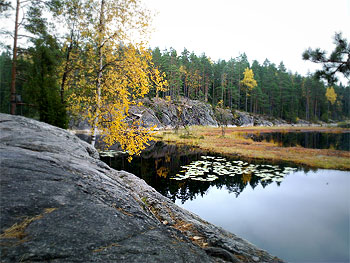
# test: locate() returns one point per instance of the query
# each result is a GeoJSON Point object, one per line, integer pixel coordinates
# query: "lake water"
{"type": "Point", "coordinates": [294, 213]}
{"type": "Point", "coordinates": [304, 219]}
{"type": "Point", "coordinates": [315, 140]}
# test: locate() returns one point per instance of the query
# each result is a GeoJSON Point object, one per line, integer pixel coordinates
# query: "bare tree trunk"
{"type": "Point", "coordinates": [222, 94]}
{"type": "Point", "coordinates": [307, 108]}
{"type": "Point", "coordinates": [66, 66]}
{"type": "Point", "coordinates": [239, 87]}
{"type": "Point", "coordinates": [14, 64]}
{"type": "Point", "coordinates": [281, 99]}
{"type": "Point", "coordinates": [315, 109]}
{"type": "Point", "coordinates": [328, 111]}
{"type": "Point", "coordinates": [206, 89]}
{"type": "Point", "coordinates": [251, 103]}
{"type": "Point", "coordinates": [213, 93]}
{"type": "Point", "coordinates": [99, 75]}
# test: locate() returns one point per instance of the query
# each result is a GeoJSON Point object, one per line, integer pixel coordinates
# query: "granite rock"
{"type": "Point", "coordinates": [60, 203]}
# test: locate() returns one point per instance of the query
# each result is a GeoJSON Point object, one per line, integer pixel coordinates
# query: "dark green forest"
{"type": "Point", "coordinates": [43, 63]}
{"type": "Point", "coordinates": [279, 93]}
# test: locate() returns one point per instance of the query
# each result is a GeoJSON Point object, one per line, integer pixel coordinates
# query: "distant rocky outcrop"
{"type": "Point", "coordinates": [60, 203]}
{"type": "Point", "coordinates": [166, 114]}
{"type": "Point", "coordinates": [169, 114]}
{"type": "Point", "coordinates": [249, 119]}
{"type": "Point", "coordinates": [244, 119]}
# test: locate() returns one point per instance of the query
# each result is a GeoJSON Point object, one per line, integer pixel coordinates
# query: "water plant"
{"type": "Point", "coordinates": [209, 168]}
{"type": "Point", "coordinates": [234, 143]}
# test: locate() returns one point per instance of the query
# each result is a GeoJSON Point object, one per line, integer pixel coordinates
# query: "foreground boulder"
{"type": "Point", "coordinates": [60, 203]}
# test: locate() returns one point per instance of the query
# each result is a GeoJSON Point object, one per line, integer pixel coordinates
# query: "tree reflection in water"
{"type": "Point", "coordinates": [183, 172]}
{"type": "Point", "coordinates": [314, 140]}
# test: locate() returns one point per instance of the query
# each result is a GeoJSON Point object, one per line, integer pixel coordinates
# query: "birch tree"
{"type": "Point", "coordinates": [113, 72]}
{"type": "Point", "coordinates": [249, 82]}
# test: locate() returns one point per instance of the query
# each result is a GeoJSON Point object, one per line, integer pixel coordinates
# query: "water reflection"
{"type": "Point", "coordinates": [305, 219]}
{"type": "Point", "coordinates": [314, 140]}
{"type": "Point", "coordinates": [298, 215]}
{"type": "Point", "coordinates": [182, 173]}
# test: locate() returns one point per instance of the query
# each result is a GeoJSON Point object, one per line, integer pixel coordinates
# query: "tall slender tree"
{"type": "Point", "coordinates": [113, 73]}
{"type": "Point", "coordinates": [14, 60]}
{"type": "Point", "coordinates": [250, 84]}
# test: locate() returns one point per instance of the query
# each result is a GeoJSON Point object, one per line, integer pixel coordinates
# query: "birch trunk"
{"type": "Point", "coordinates": [14, 64]}
{"type": "Point", "coordinates": [99, 75]}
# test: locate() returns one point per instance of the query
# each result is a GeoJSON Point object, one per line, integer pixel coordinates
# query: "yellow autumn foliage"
{"type": "Point", "coordinates": [248, 79]}
{"type": "Point", "coordinates": [112, 73]}
{"type": "Point", "coordinates": [331, 95]}
{"type": "Point", "coordinates": [163, 172]}
{"type": "Point", "coordinates": [121, 87]}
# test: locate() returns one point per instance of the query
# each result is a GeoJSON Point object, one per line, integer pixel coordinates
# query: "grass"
{"type": "Point", "coordinates": [234, 143]}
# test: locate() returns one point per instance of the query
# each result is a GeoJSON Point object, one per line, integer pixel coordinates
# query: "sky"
{"type": "Point", "coordinates": [279, 30]}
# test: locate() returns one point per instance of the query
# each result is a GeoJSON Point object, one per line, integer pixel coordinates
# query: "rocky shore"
{"type": "Point", "coordinates": [60, 203]}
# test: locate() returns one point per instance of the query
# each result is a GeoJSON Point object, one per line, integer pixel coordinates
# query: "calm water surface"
{"type": "Point", "coordinates": [297, 214]}
{"type": "Point", "coordinates": [314, 140]}
{"type": "Point", "coordinates": [304, 219]}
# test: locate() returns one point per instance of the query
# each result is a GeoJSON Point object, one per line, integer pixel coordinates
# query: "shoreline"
{"type": "Point", "coordinates": [234, 144]}
{"type": "Point", "coordinates": [61, 203]}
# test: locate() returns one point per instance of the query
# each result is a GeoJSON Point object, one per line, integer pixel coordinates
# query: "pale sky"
{"type": "Point", "coordinates": [279, 30]}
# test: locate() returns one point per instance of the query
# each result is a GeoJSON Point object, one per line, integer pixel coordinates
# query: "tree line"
{"type": "Point", "coordinates": [278, 93]}
{"type": "Point", "coordinates": [87, 58]}
{"type": "Point", "coordinates": [83, 58]}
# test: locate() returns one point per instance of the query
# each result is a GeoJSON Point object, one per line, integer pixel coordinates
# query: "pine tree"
{"type": "Point", "coordinates": [338, 61]}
